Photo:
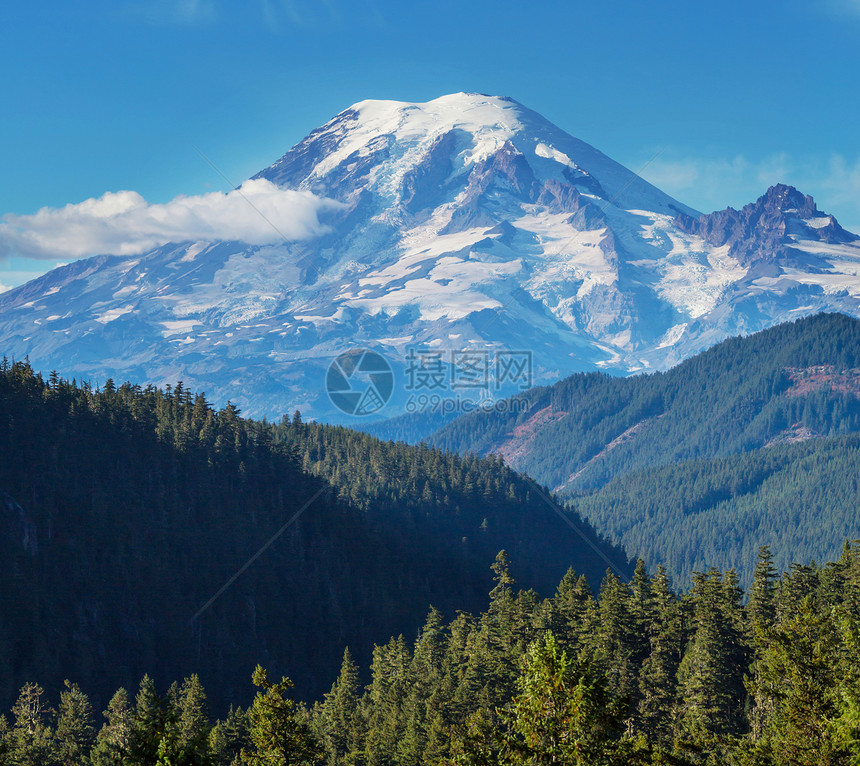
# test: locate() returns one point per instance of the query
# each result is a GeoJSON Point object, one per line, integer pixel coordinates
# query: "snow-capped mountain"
{"type": "Point", "coordinates": [468, 222]}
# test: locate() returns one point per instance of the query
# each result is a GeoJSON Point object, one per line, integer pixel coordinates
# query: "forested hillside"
{"type": "Point", "coordinates": [123, 511]}
{"type": "Point", "coordinates": [637, 675]}
{"type": "Point", "coordinates": [801, 497]}
{"type": "Point", "coordinates": [629, 451]}
{"type": "Point", "coordinates": [440, 496]}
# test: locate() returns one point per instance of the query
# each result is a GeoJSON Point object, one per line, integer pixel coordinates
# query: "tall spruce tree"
{"type": "Point", "coordinates": [573, 611]}
{"type": "Point", "coordinates": [711, 671]}
{"type": "Point", "coordinates": [800, 664]}
{"type": "Point", "coordinates": [616, 644]}
{"type": "Point", "coordinates": [278, 736]}
{"type": "Point", "coordinates": [228, 738]}
{"type": "Point", "coordinates": [562, 713]}
{"type": "Point", "coordinates": [760, 613]}
{"type": "Point", "coordinates": [341, 725]}
{"type": "Point", "coordinates": [31, 740]}
{"type": "Point", "coordinates": [114, 740]}
{"type": "Point", "coordinates": [75, 730]}
{"type": "Point", "coordinates": [192, 723]}
{"type": "Point", "coordinates": [658, 675]}
{"type": "Point", "coordinates": [426, 706]}
{"type": "Point", "coordinates": [387, 694]}
{"type": "Point", "coordinates": [149, 724]}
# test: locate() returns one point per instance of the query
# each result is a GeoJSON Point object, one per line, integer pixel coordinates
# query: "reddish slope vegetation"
{"type": "Point", "coordinates": [806, 380]}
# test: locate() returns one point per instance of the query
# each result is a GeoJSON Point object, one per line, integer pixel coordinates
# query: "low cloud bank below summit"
{"type": "Point", "coordinates": [124, 223]}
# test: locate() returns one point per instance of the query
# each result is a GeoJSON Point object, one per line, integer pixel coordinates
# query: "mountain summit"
{"type": "Point", "coordinates": [419, 156]}
{"type": "Point", "coordinates": [465, 223]}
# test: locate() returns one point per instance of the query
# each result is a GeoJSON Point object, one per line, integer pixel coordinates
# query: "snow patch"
{"type": "Point", "coordinates": [672, 335]}
{"type": "Point", "coordinates": [111, 314]}
{"type": "Point", "coordinates": [550, 153]}
{"type": "Point", "coordinates": [193, 251]}
{"type": "Point", "coordinates": [178, 327]}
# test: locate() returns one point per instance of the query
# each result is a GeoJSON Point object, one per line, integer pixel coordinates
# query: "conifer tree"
{"type": "Point", "coordinates": [428, 703]}
{"type": "Point", "coordinates": [5, 744]}
{"type": "Point", "coordinates": [463, 668]}
{"type": "Point", "coordinates": [761, 608]}
{"type": "Point", "coordinates": [562, 713]}
{"type": "Point", "coordinates": [342, 729]}
{"type": "Point", "coordinates": [386, 697]}
{"type": "Point", "coordinates": [494, 657]}
{"type": "Point", "coordinates": [279, 737]}
{"type": "Point", "coordinates": [149, 724]}
{"type": "Point", "coordinates": [573, 611]}
{"type": "Point", "coordinates": [761, 613]}
{"type": "Point", "coordinates": [75, 731]}
{"type": "Point", "coordinates": [114, 740]}
{"type": "Point", "coordinates": [711, 671]}
{"type": "Point", "coordinates": [228, 738]}
{"type": "Point", "coordinates": [192, 722]}
{"type": "Point", "coordinates": [799, 582]}
{"type": "Point", "coordinates": [658, 676]}
{"type": "Point", "coordinates": [800, 665]}
{"type": "Point", "coordinates": [31, 740]}
{"type": "Point", "coordinates": [616, 644]}
{"type": "Point", "coordinates": [846, 727]}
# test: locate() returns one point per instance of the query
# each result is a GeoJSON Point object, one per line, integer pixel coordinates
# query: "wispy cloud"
{"type": "Point", "coordinates": [300, 13]}
{"type": "Point", "coordinates": [845, 7]}
{"type": "Point", "coordinates": [4, 288]}
{"type": "Point", "coordinates": [678, 176]}
{"type": "Point", "coordinates": [124, 223]}
{"type": "Point", "coordinates": [710, 183]}
{"type": "Point", "coordinates": [172, 12]}
{"type": "Point", "coordinates": [842, 181]}
{"type": "Point", "coordinates": [719, 176]}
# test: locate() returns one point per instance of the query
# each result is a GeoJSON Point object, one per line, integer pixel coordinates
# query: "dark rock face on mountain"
{"type": "Point", "coordinates": [765, 228]}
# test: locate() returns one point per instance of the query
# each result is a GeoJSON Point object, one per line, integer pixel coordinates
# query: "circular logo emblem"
{"type": "Point", "coordinates": [359, 382]}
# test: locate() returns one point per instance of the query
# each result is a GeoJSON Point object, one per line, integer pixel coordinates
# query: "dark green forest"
{"type": "Point", "coordinates": [636, 675]}
{"type": "Point", "coordinates": [727, 400]}
{"type": "Point", "coordinates": [801, 499]}
{"type": "Point", "coordinates": [124, 510]}
{"type": "Point", "coordinates": [695, 466]}
{"type": "Point", "coordinates": [181, 584]}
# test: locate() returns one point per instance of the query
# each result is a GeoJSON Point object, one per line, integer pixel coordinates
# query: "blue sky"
{"type": "Point", "coordinates": [109, 96]}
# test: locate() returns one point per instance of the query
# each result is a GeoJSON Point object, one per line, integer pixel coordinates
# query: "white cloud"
{"type": "Point", "coordinates": [124, 223]}
{"type": "Point", "coordinates": [4, 288]}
